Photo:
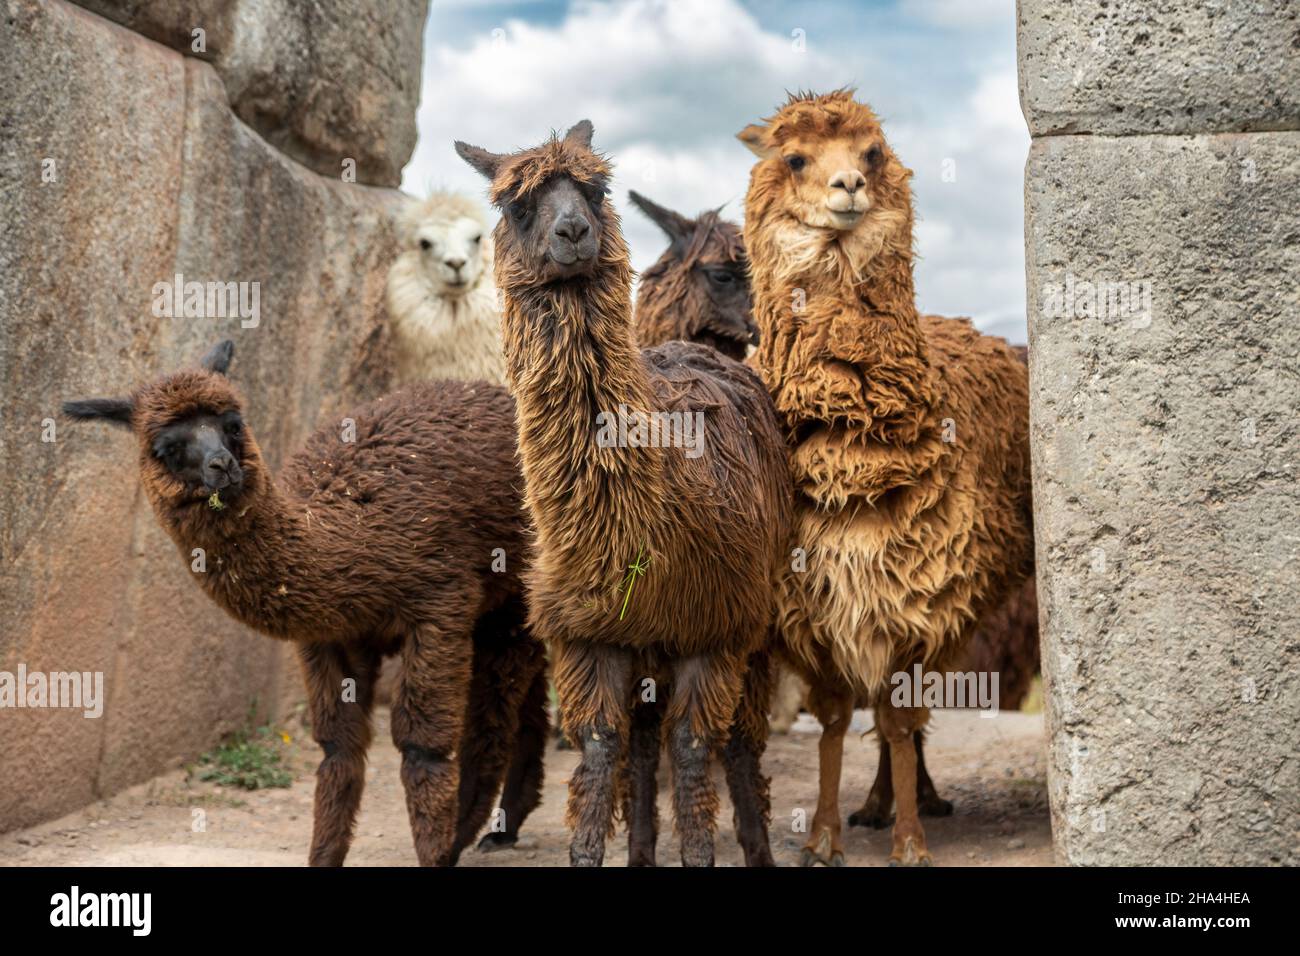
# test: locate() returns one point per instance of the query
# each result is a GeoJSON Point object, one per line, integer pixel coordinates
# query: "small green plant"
{"type": "Point", "coordinates": [634, 570]}
{"type": "Point", "coordinates": [250, 759]}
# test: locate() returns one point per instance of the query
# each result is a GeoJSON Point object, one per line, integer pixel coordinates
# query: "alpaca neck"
{"type": "Point", "coordinates": [894, 360]}
{"type": "Point", "coordinates": [571, 357]}
{"type": "Point", "coordinates": [251, 550]}
{"type": "Point", "coordinates": [850, 297]}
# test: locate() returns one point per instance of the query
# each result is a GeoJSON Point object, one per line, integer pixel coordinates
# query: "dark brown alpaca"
{"type": "Point", "coordinates": [703, 534]}
{"type": "Point", "coordinates": [379, 538]}
{"type": "Point", "coordinates": [698, 290]}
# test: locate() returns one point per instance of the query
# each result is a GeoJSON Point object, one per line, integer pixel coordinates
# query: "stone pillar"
{"type": "Point", "coordinates": [126, 157]}
{"type": "Point", "coordinates": [1162, 233]}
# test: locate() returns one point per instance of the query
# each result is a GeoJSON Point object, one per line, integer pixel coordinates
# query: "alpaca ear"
{"type": "Point", "coordinates": [676, 226]}
{"type": "Point", "coordinates": [580, 134]}
{"type": "Point", "coordinates": [478, 157]}
{"type": "Point", "coordinates": [754, 137]}
{"type": "Point", "coordinates": [218, 357]}
{"type": "Point", "coordinates": [116, 411]}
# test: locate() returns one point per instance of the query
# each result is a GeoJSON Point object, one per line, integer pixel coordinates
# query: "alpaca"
{"type": "Point", "coordinates": [909, 441]}
{"type": "Point", "coordinates": [379, 538]}
{"type": "Point", "coordinates": [441, 299]}
{"type": "Point", "coordinates": [698, 290]}
{"type": "Point", "coordinates": [648, 559]}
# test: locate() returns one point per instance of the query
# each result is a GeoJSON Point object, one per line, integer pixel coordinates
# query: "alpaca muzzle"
{"type": "Point", "coordinates": [221, 471]}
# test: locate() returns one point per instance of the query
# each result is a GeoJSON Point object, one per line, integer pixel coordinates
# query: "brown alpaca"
{"type": "Point", "coordinates": [378, 539]}
{"type": "Point", "coordinates": [648, 559]}
{"type": "Point", "coordinates": [909, 439]}
{"type": "Point", "coordinates": [698, 290]}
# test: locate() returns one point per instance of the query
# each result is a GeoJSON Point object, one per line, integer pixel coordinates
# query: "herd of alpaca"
{"type": "Point", "coordinates": [469, 533]}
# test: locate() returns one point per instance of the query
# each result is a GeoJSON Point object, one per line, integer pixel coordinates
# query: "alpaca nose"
{"type": "Point", "coordinates": [221, 469]}
{"type": "Point", "coordinates": [454, 264]}
{"type": "Point", "coordinates": [572, 228]}
{"type": "Point", "coordinates": [850, 180]}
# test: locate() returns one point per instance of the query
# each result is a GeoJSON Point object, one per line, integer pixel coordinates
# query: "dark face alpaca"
{"type": "Point", "coordinates": [552, 201]}
{"type": "Point", "coordinates": [558, 227]}
{"type": "Point", "coordinates": [718, 298]}
{"type": "Point", "coordinates": [203, 451]}
{"type": "Point", "coordinates": [200, 451]}
{"type": "Point", "coordinates": [730, 327]}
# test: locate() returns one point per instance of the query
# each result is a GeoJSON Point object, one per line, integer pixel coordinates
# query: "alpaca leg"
{"type": "Point", "coordinates": [505, 662]}
{"type": "Point", "coordinates": [340, 723]}
{"type": "Point", "coordinates": [742, 758]}
{"type": "Point", "coordinates": [428, 715]}
{"type": "Point", "coordinates": [878, 810]}
{"type": "Point", "coordinates": [523, 787]}
{"type": "Point", "coordinates": [899, 726]}
{"type": "Point", "coordinates": [593, 682]}
{"type": "Point", "coordinates": [706, 693]}
{"type": "Point", "coordinates": [641, 791]}
{"type": "Point", "coordinates": [927, 797]}
{"type": "Point", "coordinates": [834, 708]}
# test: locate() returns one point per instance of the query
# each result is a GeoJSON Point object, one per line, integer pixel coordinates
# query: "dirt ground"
{"type": "Point", "coordinates": [992, 769]}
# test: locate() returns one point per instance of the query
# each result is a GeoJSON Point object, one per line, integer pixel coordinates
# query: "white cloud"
{"type": "Point", "coordinates": [667, 86]}
{"type": "Point", "coordinates": [668, 83]}
{"type": "Point", "coordinates": [960, 13]}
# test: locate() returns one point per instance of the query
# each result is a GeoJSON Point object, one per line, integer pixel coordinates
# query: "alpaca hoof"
{"type": "Point", "coordinates": [935, 806]}
{"type": "Point", "coordinates": [822, 851]}
{"type": "Point", "coordinates": [492, 842]}
{"type": "Point", "coordinates": [870, 818]}
{"type": "Point", "coordinates": [911, 855]}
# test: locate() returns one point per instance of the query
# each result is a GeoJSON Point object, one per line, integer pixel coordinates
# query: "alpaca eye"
{"type": "Point", "coordinates": [234, 428]}
{"type": "Point", "coordinates": [796, 162]}
{"type": "Point", "coordinates": [518, 211]}
{"type": "Point", "coordinates": [426, 245]}
{"type": "Point", "coordinates": [722, 277]}
{"type": "Point", "coordinates": [873, 156]}
{"type": "Point", "coordinates": [476, 239]}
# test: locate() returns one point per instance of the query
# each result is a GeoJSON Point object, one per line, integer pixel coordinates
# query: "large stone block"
{"type": "Point", "coordinates": [1164, 326]}
{"type": "Point", "coordinates": [1159, 66]}
{"type": "Point", "coordinates": [325, 82]}
{"type": "Point", "coordinates": [147, 174]}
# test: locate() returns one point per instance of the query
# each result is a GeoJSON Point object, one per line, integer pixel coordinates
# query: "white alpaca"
{"type": "Point", "coordinates": [442, 300]}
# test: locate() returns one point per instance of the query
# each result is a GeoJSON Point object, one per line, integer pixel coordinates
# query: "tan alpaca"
{"type": "Point", "coordinates": [442, 301]}
{"type": "Point", "coordinates": [909, 439]}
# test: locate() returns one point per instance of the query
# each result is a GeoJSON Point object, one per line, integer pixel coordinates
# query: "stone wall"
{"type": "Point", "coordinates": [1163, 256]}
{"type": "Point", "coordinates": [124, 161]}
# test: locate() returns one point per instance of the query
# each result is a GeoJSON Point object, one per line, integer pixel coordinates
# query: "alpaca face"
{"type": "Point", "coordinates": [556, 228]}
{"type": "Point", "coordinates": [555, 217]}
{"type": "Point", "coordinates": [825, 162]}
{"type": "Point", "coordinates": [201, 452]}
{"type": "Point", "coordinates": [728, 321]}
{"type": "Point", "coordinates": [700, 285]}
{"type": "Point", "coordinates": [452, 254]}
{"type": "Point", "coordinates": [190, 430]}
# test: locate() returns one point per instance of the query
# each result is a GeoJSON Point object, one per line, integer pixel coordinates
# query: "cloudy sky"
{"type": "Point", "coordinates": [668, 83]}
